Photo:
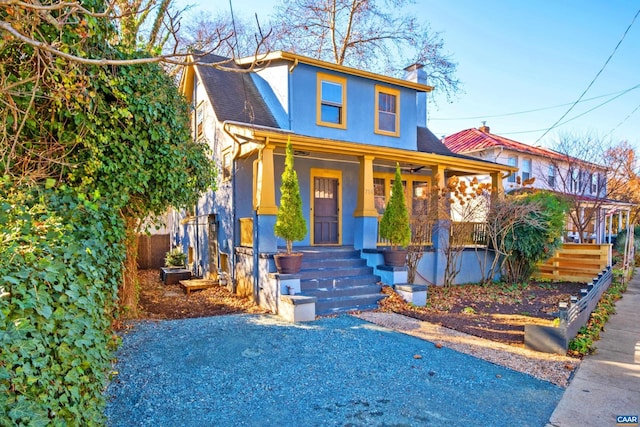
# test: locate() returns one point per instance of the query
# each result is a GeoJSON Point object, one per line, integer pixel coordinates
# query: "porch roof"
{"type": "Point", "coordinates": [250, 138]}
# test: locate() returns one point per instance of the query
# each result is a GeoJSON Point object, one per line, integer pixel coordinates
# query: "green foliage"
{"type": "Point", "coordinates": [175, 258]}
{"type": "Point", "coordinates": [621, 239]}
{"type": "Point", "coordinates": [535, 240]}
{"type": "Point", "coordinates": [138, 147]}
{"type": "Point", "coordinates": [290, 222]}
{"type": "Point", "coordinates": [60, 264]}
{"type": "Point", "coordinates": [394, 225]}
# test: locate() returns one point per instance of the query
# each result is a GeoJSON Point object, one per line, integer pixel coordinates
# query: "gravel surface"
{"type": "Point", "coordinates": [255, 370]}
{"type": "Point", "coordinates": [554, 368]}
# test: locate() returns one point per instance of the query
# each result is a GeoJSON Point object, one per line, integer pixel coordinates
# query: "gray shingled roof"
{"type": "Point", "coordinates": [234, 96]}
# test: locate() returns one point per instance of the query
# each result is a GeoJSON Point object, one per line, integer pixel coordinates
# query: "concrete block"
{"type": "Point", "coordinates": [415, 294]}
{"type": "Point", "coordinates": [297, 308]}
{"type": "Point", "coordinates": [391, 275]}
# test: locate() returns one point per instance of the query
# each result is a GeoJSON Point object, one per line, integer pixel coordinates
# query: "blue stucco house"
{"type": "Point", "coordinates": [348, 128]}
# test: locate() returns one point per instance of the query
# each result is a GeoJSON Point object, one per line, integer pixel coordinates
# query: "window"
{"type": "Point", "coordinates": [575, 180]}
{"type": "Point", "coordinates": [512, 161]}
{"type": "Point", "coordinates": [379, 194]}
{"type": "Point", "coordinates": [420, 202]}
{"type": "Point", "coordinates": [331, 101]}
{"type": "Point", "coordinates": [226, 166]}
{"type": "Point", "coordinates": [526, 169]}
{"type": "Point", "coordinates": [551, 177]}
{"type": "Point", "coordinates": [199, 120]}
{"type": "Point", "coordinates": [387, 111]}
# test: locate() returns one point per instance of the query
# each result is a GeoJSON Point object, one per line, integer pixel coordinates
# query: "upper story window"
{"type": "Point", "coordinates": [226, 166]}
{"type": "Point", "coordinates": [526, 169]}
{"type": "Point", "coordinates": [200, 120]}
{"type": "Point", "coordinates": [332, 100]}
{"type": "Point", "coordinates": [574, 176]}
{"type": "Point", "coordinates": [387, 111]}
{"type": "Point", "coordinates": [594, 182]}
{"type": "Point", "coordinates": [551, 177]}
{"type": "Point", "coordinates": [512, 161]}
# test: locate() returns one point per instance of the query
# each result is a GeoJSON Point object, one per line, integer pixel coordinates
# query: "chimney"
{"type": "Point", "coordinates": [416, 73]}
{"type": "Point", "coordinates": [484, 128]}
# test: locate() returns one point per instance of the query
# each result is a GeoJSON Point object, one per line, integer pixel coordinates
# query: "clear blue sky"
{"type": "Point", "coordinates": [522, 55]}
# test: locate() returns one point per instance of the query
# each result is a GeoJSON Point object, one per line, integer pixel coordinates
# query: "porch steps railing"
{"type": "Point", "coordinates": [339, 279]}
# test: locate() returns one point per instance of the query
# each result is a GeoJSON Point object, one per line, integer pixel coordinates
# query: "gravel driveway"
{"type": "Point", "coordinates": [255, 370]}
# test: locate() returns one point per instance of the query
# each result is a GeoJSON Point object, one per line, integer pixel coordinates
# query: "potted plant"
{"type": "Point", "coordinates": [175, 258]}
{"type": "Point", "coordinates": [394, 225]}
{"type": "Point", "coordinates": [290, 222]}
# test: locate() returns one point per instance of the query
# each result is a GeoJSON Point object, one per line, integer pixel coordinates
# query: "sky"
{"type": "Point", "coordinates": [524, 63]}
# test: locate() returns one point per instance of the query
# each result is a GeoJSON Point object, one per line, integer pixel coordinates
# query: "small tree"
{"type": "Point", "coordinates": [536, 239]}
{"type": "Point", "coordinates": [290, 222]}
{"type": "Point", "coordinates": [394, 225]}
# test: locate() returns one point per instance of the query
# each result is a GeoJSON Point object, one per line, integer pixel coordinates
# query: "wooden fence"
{"type": "Point", "coordinates": [576, 262]}
{"type": "Point", "coordinates": [152, 250]}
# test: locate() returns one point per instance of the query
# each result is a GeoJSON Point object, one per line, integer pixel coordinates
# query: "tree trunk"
{"type": "Point", "coordinates": [128, 292]}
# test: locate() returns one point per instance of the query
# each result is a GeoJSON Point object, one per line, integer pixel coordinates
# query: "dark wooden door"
{"type": "Point", "coordinates": [325, 215]}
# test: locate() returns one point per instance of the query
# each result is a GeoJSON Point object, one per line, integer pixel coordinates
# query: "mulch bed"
{"type": "Point", "coordinates": [160, 301]}
{"type": "Point", "coordinates": [497, 312]}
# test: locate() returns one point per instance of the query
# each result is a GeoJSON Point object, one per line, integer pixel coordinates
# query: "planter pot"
{"type": "Point", "coordinates": [395, 258]}
{"type": "Point", "coordinates": [288, 263]}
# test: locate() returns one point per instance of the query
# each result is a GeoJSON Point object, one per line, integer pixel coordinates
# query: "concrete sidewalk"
{"type": "Point", "coordinates": [607, 383]}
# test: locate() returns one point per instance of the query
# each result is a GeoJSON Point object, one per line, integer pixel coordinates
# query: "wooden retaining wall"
{"type": "Point", "coordinates": [550, 339]}
{"type": "Point", "coordinates": [576, 262]}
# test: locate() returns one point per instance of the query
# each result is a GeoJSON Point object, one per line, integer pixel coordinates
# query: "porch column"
{"type": "Point", "coordinates": [365, 214]}
{"type": "Point", "coordinates": [619, 220]}
{"type": "Point", "coordinates": [264, 199]}
{"type": "Point", "coordinates": [496, 184]}
{"type": "Point", "coordinates": [440, 231]}
{"type": "Point", "coordinates": [611, 227]}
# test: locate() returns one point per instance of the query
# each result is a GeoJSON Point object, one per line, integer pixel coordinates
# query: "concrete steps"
{"type": "Point", "coordinates": [339, 279]}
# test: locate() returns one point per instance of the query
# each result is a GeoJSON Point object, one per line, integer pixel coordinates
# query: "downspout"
{"type": "Point", "coordinates": [256, 242]}
{"type": "Point", "coordinates": [290, 84]}
{"type": "Point", "coordinates": [196, 261]}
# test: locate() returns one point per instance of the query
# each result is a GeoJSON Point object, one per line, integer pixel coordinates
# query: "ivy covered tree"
{"type": "Point", "coordinates": [93, 137]}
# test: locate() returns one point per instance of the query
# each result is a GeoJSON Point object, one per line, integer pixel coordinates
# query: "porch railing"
{"type": "Point", "coordinates": [468, 233]}
{"type": "Point", "coordinates": [421, 233]}
{"type": "Point", "coordinates": [460, 233]}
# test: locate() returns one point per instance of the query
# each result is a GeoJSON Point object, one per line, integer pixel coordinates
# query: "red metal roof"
{"type": "Point", "coordinates": [470, 140]}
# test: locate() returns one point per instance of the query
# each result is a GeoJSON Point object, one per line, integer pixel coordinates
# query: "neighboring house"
{"type": "Point", "coordinates": [585, 183]}
{"type": "Point", "coordinates": [348, 128]}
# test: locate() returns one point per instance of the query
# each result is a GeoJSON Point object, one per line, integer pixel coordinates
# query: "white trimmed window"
{"type": "Point", "coordinates": [551, 177]}
{"type": "Point", "coordinates": [512, 161]}
{"type": "Point", "coordinates": [526, 169]}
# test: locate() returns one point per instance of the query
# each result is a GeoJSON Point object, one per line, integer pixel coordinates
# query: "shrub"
{"type": "Point", "coordinates": [394, 225]}
{"type": "Point", "coordinates": [60, 264]}
{"type": "Point", "coordinates": [537, 238]}
{"type": "Point", "coordinates": [290, 222]}
{"type": "Point", "coordinates": [175, 258]}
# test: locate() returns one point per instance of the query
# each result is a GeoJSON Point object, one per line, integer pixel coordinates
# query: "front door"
{"type": "Point", "coordinates": [326, 221]}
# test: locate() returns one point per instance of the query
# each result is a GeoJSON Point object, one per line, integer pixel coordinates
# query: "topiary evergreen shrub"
{"type": "Point", "coordinates": [394, 225]}
{"type": "Point", "coordinates": [290, 222]}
